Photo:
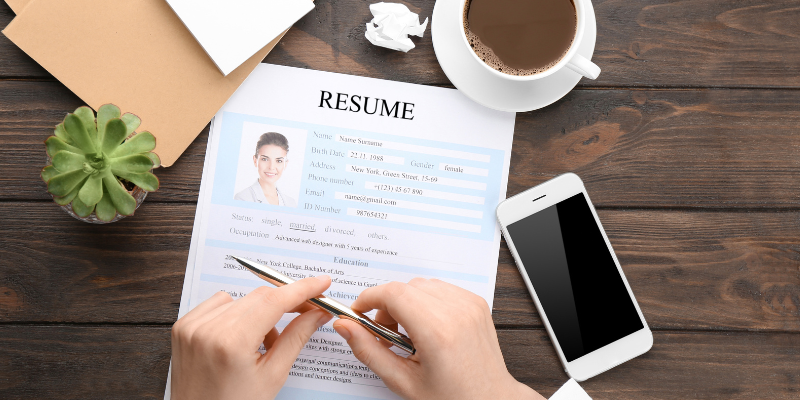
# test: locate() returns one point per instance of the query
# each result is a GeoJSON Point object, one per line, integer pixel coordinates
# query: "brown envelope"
{"type": "Point", "coordinates": [136, 54]}
{"type": "Point", "coordinates": [17, 5]}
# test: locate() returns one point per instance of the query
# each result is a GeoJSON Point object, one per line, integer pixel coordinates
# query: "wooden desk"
{"type": "Point", "coordinates": [689, 143]}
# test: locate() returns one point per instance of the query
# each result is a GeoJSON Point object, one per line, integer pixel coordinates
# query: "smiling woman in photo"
{"type": "Point", "coordinates": [270, 160]}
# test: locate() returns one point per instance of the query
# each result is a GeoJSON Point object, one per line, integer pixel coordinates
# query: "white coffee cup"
{"type": "Point", "coordinates": [571, 60]}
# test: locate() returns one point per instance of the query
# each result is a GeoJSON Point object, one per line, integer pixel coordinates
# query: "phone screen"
{"type": "Point", "coordinates": [575, 277]}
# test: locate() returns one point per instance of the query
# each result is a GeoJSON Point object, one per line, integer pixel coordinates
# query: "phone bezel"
{"type": "Point", "coordinates": [530, 202]}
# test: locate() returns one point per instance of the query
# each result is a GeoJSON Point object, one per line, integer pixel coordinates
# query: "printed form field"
{"type": "Point", "coordinates": [437, 174]}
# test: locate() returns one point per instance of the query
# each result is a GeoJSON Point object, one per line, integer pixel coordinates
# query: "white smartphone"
{"type": "Point", "coordinates": [574, 277]}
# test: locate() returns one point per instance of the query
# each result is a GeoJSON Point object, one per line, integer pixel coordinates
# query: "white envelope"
{"type": "Point", "coordinates": [231, 31]}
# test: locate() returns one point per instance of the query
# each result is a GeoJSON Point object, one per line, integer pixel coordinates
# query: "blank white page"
{"type": "Point", "coordinates": [231, 31]}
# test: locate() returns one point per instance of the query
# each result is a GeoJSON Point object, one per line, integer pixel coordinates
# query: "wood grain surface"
{"type": "Point", "coordinates": [650, 43]}
{"type": "Point", "coordinates": [688, 143]}
{"type": "Point", "coordinates": [130, 362]}
{"type": "Point", "coordinates": [633, 148]}
{"type": "Point", "coordinates": [689, 270]}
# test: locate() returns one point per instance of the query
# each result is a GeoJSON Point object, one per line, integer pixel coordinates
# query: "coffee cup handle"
{"type": "Point", "coordinates": [583, 66]}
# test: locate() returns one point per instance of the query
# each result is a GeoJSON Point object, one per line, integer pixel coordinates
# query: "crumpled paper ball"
{"type": "Point", "coordinates": [391, 24]}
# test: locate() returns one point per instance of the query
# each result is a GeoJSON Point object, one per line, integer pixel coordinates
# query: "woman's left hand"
{"type": "Point", "coordinates": [215, 346]}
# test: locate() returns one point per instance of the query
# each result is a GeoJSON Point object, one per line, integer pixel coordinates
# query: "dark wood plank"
{"type": "Point", "coordinates": [58, 269]}
{"type": "Point", "coordinates": [640, 44]}
{"type": "Point", "coordinates": [681, 365]}
{"type": "Point", "coordinates": [709, 149]}
{"type": "Point", "coordinates": [688, 270]}
{"type": "Point", "coordinates": [52, 362]}
{"type": "Point", "coordinates": [131, 362]}
{"type": "Point", "coordinates": [698, 43]}
{"type": "Point", "coordinates": [650, 148]}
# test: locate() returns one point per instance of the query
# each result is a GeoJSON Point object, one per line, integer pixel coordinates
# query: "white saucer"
{"type": "Point", "coordinates": [480, 85]}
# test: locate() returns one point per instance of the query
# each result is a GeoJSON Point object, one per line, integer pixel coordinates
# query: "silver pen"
{"type": "Point", "coordinates": [332, 306]}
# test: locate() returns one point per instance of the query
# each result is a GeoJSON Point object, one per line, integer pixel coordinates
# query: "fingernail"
{"type": "Point", "coordinates": [324, 278]}
{"type": "Point", "coordinates": [343, 332]}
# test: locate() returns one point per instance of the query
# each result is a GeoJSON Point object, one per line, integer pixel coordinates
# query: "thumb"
{"type": "Point", "coordinates": [392, 368]}
{"type": "Point", "coordinates": [287, 346]}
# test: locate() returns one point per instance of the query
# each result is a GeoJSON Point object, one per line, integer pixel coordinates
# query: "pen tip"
{"type": "Point", "coordinates": [245, 263]}
{"type": "Point", "coordinates": [253, 267]}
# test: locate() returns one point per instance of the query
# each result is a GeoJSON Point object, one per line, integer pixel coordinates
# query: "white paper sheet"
{"type": "Point", "coordinates": [407, 188]}
{"type": "Point", "coordinates": [570, 391]}
{"type": "Point", "coordinates": [231, 31]}
{"type": "Point", "coordinates": [391, 25]}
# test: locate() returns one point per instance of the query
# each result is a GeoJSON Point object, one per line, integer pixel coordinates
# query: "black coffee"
{"type": "Point", "coordinates": [520, 37]}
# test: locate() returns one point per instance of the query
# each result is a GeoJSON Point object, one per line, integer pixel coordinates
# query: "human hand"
{"type": "Point", "coordinates": [215, 346]}
{"type": "Point", "coordinates": [458, 355]}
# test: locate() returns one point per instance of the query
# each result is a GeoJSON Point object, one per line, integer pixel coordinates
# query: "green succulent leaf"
{"type": "Point", "coordinates": [144, 180]}
{"type": "Point", "coordinates": [92, 190]}
{"type": "Point", "coordinates": [55, 144]}
{"type": "Point", "coordinates": [62, 134]}
{"type": "Point", "coordinates": [62, 184]}
{"type": "Point", "coordinates": [105, 209]}
{"type": "Point", "coordinates": [154, 158]}
{"type": "Point", "coordinates": [86, 115]}
{"type": "Point", "coordinates": [131, 121]}
{"type": "Point", "coordinates": [123, 201]}
{"type": "Point", "coordinates": [115, 134]}
{"type": "Point", "coordinates": [89, 152]}
{"type": "Point", "coordinates": [49, 172]}
{"type": "Point", "coordinates": [105, 113]}
{"type": "Point", "coordinates": [66, 161]}
{"type": "Point", "coordinates": [140, 143]}
{"type": "Point", "coordinates": [77, 132]}
{"type": "Point", "coordinates": [134, 163]}
{"type": "Point", "coordinates": [64, 200]}
{"type": "Point", "coordinates": [83, 210]}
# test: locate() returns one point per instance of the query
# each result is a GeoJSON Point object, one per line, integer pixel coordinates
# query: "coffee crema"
{"type": "Point", "coordinates": [520, 37]}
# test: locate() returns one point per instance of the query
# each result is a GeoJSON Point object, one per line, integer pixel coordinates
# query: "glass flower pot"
{"type": "Point", "coordinates": [137, 194]}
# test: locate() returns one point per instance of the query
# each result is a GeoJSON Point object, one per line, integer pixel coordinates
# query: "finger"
{"type": "Point", "coordinates": [401, 301]}
{"type": "Point", "coordinates": [295, 295]}
{"type": "Point", "coordinates": [261, 309]}
{"type": "Point", "coordinates": [216, 300]}
{"type": "Point", "coordinates": [185, 328]}
{"type": "Point", "coordinates": [383, 318]}
{"type": "Point", "coordinates": [193, 325]}
{"type": "Point", "coordinates": [270, 338]}
{"type": "Point", "coordinates": [430, 287]}
{"type": "Point", "coordinates": [392, 368]}
{"type": "Point", "coordinates": [303, 308]}
{"type": "Point", "coordinates": [288, 345]}
{"type": "Point", "coordinates": [436, 288]}
{"type": "Point", "coordinates": [446, 292]}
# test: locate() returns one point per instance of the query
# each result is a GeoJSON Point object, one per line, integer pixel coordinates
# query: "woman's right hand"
{"type": "Point", "coordinates": [458, 355]}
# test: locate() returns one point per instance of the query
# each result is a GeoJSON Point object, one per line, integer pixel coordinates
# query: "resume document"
{"type": "Point", "coordinates": [368, 181]}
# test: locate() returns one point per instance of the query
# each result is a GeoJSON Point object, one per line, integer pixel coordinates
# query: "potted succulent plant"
{"type": "Point", "coordinates": [99, 170]}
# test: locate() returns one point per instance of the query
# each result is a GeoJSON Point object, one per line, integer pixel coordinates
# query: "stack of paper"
{"type": "Point", "coordinates": [136, 54]}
